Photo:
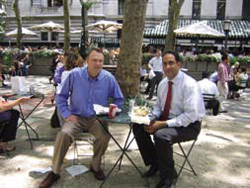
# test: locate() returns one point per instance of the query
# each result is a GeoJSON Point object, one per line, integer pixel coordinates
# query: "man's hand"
{"type": "Point", "coordinates": [72, 119]}
{"type": "Point", "coordinates": [154, 126]}
{"type": "Point", "coordinates": [150, 129]}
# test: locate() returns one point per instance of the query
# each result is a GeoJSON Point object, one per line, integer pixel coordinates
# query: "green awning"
{"type": "Point", "coordinates": [239, 28]}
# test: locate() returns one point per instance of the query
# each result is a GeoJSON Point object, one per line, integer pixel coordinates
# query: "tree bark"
{"type": "Point", "coordinates": [173, 19]}
{"type": "Point", "coordinates": [129, 60]}
{"type": "Point", "coordinates": [19, 23]}
{"type": "Point", "coordinates": [66, 41]}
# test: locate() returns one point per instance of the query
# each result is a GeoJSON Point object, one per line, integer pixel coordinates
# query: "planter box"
{"type": "Point", "coordinates": [201, 66]}
{"type": "Point", "coordinates": [211, 67]}
{"type": "Point", "coordinates": [40, 65]}
{"type": "Point", "coordinates": [191, 66]}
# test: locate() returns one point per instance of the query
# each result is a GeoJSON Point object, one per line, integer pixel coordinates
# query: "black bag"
{"type": "Point", "coordinates": [54, 121]}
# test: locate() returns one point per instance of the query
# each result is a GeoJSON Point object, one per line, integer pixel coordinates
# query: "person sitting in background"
{"type": "Point", "coordinates": [2, 76]}
{"type": "Point", "coordinates": [26, 64]}
{"type": "Point", "coordinates": [10, 117]}
{"type": "Point", "coordinates": [232, 82]}
{"type": "Point", "coordinates": [234, 68]}
{"type": "Point", "coordinates": [15, 69]}
{"type": "Point", "coordinates": [156, 64]}
{"type": "Point", "coordinates": [53, 66]}
{"type": "Point", "coordinates": [209, 87]}
{"type": "Point", "coordinates": [214, 77]}
{"type": "Point", "coordinates": [144, 76]}
{"type": "Point", "coordinates": [240, 81]}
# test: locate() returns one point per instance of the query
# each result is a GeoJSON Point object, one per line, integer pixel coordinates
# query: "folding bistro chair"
{"type": "Point", "coordinates": [84, 138]}
{"type": "Point", "coordinates": [184, 153]}
{"type": "Point", "coordinates": [207, 98]}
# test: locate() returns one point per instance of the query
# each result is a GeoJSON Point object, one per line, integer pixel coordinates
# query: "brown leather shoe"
{"type": "Point", "coordinates": [98, 174]}
{"type": "Point", "coordinates": [49, 180]}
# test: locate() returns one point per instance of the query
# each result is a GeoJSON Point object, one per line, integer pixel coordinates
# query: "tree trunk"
{"type": "Point", "coordinates": [66, 25]}
{"type": "Point", "coordinates": [19, 23]}
{"type": "Point", "coordinates": [173, 19]}
{"type": "Point", "coordinates": [129, 61]}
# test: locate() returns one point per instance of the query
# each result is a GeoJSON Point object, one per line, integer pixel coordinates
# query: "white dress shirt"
{"type": "Point", "coordinates": [208, 87]}
{"type": "Point", "coordinates": [187, 105]}
{"type": "Point", "coordinates": [156, 64]}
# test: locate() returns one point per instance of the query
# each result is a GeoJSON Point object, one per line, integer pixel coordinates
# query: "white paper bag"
{"type": "Point", "coordinates": [18, 85]}
{"type": "Point", "coordinates": [151, 74]}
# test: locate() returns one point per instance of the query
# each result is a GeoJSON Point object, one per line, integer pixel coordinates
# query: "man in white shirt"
{"type": "Point", "coordinates": [176, 117]}
{"type": "Point", "coordinates": [156, 64]}
{"type": "Point", "coordinates": [144, 76]}
{"type": "Point", "coordinates": [209, 87]}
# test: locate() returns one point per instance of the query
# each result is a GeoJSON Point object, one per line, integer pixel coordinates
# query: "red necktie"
{"type": "Point", "coordinates": [164, 115]}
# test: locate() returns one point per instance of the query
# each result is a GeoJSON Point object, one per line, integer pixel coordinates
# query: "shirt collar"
{"type": "Point", "coordinates": [89, 78]}
{"type": "Point", "coordinates": [178, 77]}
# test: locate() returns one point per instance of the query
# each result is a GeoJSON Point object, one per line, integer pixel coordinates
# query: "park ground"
{"type": "Point", "coordinates": [220, 156]}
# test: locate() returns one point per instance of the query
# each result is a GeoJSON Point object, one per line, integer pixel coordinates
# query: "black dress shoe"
{"type": "Point", "coordinates": [165, 183]}
{"type": "Point", "coordinates": [152, 171]}
{"type": "Point", "coordinates": [49, 180]}
{"type": "Point", "coordinates": [99, 175]}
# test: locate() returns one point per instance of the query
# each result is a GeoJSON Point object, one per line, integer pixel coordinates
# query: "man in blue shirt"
{"type": "Point", "coordinates": [84, 87]}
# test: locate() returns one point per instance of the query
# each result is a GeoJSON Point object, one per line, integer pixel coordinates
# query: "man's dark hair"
{"type": "Point", "coordinates": [224, 56]}
{"type": "Point", "coordinates": [205, 74]}
{"type": "Point", "coordinates": [96, 50]}
{"type": "Point", "coordinates": [174, 53]}
{"type": "Point", "coordinates": [243, 69]}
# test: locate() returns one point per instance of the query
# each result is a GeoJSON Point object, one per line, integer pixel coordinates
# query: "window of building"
{"type": "Point", "coordinates": [119, 31]}
{"type": "Point", "coordinates": [120, 7]}
{"type": "Point", "coordinates": [36, 2]}
{"type": "Point", "coordinates": [246, 10]}
{"type": "Point", "coordinates": [221, 9]}
{"type": "Point", "coordinates": [55, 3]}
{"type": "Point", "coordinates": [196, 14]}
{"type": "Point", "coordinates": [54, 36]}
{"type": "Point", "coordinates": [44, 36]}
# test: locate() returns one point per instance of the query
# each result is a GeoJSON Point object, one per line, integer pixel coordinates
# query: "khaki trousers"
{"type": "Point", "coordinates": [223, 92]}
{"type": "Point", "coordinates": [68, 133]}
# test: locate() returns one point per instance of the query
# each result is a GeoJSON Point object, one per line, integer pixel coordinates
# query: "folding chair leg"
{"type": "Point", "coordinates": [186, 160]}
{"type": "Point", "coordinates": [75, 161]}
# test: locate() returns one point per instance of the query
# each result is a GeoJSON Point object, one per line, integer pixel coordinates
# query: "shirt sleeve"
{"type": "Point", "coordinates": [62, 95]}
{"type": "Point", "coordinates": [58, 75]}
{"type": "Point", "coordinates": [116, 93]}
{"type": "Point", "coordinates": [193, 108]}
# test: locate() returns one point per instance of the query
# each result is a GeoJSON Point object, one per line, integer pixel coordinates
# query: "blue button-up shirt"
{"type": "Point", "coordinates": [84, 92]}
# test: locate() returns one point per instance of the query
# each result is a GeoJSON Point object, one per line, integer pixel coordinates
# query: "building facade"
{"type": "Point", "coordinates": [41, 11]}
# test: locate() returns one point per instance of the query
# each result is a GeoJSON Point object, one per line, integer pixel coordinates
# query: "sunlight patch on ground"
{"type": "Point", "coordinates": [45, 150]}
{"type": "Point", "coordinates": [247, 126]}
{"type": "Point", "coordinates": [218, 137]}
{"type": "Point", "coordinates": [239, 154]}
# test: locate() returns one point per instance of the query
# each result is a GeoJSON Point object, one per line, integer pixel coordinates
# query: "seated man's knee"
{"type": "Point", "coordinates": [137, 127]}
{"type": "Point", "coordinates": [64, 135]}
{"type": "Point", "coordinates": [15, 113]}
{"type": "Point", "coordinates": [162, 135]}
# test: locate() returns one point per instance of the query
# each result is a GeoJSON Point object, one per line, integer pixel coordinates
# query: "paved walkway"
{"type": "Point", "coordinates": [220, 157]}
